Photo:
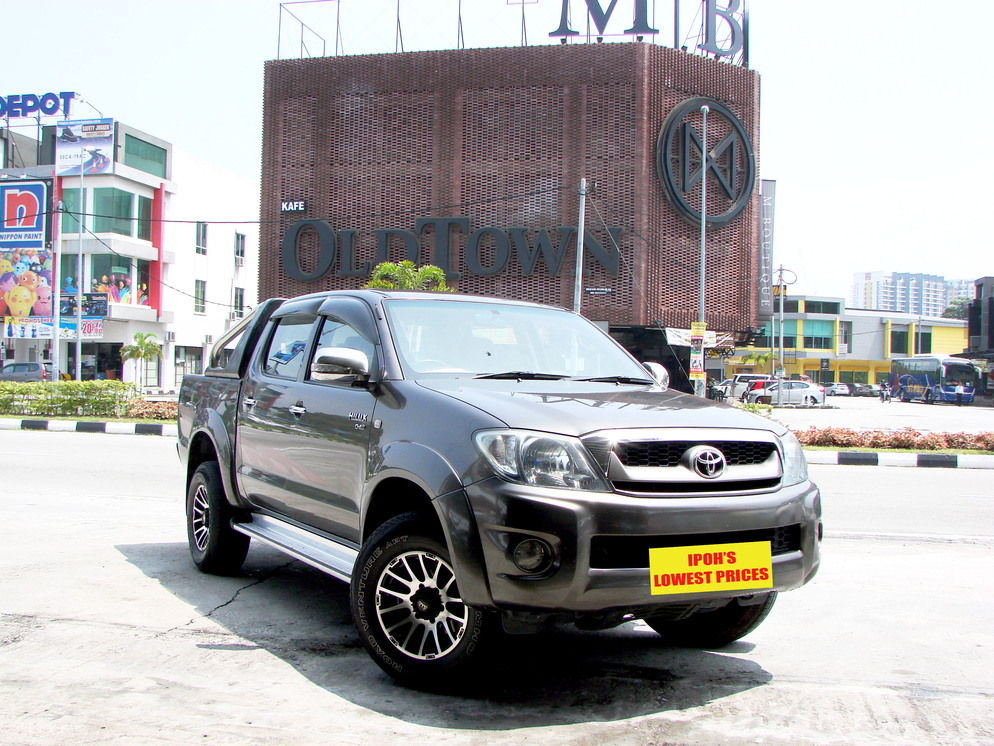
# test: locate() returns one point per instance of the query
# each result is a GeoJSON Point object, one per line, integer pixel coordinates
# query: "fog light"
{"type": "Point", "coordinates": [532, 555]}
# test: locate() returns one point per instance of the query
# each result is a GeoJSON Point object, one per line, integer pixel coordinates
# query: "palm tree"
{"type": "Point", "coordinates": [145, 347]}
{"type": "Point", "coordinates": [406, 276]}
{"type": "Point", "coordinates": [759, 358]}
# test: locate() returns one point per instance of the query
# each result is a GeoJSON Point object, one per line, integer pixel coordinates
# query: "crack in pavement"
{"type": "Point", "coordinates": [259, 581]}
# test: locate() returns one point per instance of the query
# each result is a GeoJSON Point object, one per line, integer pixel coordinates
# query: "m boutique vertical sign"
{"type": "Point", "coordinates": [767, 207]}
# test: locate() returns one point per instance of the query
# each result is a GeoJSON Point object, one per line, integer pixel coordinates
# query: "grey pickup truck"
{"type": "Point", "coordinates": [475, 465]}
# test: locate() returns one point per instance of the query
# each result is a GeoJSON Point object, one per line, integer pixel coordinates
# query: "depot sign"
{"type": "Point", "coordinates": [486, 251]}
{"type": "Point", "coordinates": [27, 104]}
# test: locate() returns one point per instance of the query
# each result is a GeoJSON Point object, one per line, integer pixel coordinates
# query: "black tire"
{"type": "Point", "coordinates": [714, 629]}
{"type": "Point", "coordinates": [434, 640]}
{"type": "Point", "coordinates": [214, 545]}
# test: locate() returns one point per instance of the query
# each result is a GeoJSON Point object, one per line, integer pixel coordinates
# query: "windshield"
{"type": "Point", "coordinates": [455, 338]}
{"type": "Point", "coordinates": [963, 373]}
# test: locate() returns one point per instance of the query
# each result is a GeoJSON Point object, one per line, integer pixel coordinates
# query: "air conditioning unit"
{"type": "Point", "coordinates": [234, 316]}
{"type": "Point", "coordinates": [239, 261]}
{"type": "Point", "coordinates": [170, 336]}
{"type": "Point", "coordinates": [208, 339]}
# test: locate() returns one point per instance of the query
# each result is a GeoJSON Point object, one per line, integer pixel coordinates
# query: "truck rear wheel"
{"type": "Point", "coordinates": [214, 545]}
{"type": "Point", "coordinates": [408, 609]}
{"type": "Point", "coordinates": [714, 629]}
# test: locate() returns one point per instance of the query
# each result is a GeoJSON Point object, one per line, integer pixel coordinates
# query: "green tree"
{"type": "Point", "coordinates": [958, 309]}
{"type": "Point", "coordinates": [759, 358]}
{"type": "Point", "coordinates": [406, 276]}
{"type": "Point", "coordinates": [145, 347]}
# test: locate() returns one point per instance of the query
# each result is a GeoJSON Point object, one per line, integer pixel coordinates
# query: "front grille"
{"type": "Point", "coordinates": [696, 488]}
{"type": "Point", "coordinates": [664, 462]}
{"type": "Point", "coordinates": [667, 453]}
{"type": "Point", "coordinates": [616, 552]}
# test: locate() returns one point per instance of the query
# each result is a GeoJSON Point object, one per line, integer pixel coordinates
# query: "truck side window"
{"type": "Point", "coordinates": [285, 354]}
{"type": "Point", "coordinates": [337, 333]}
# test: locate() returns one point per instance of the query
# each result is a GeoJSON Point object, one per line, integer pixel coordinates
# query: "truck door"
{"type": "Point", "coordinates": [268, 439]}
{"type": "Point", "coordinates": [336, 423]}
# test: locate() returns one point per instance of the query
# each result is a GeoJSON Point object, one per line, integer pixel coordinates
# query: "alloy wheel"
{"type": "Point", "coordinates": [419, 607]}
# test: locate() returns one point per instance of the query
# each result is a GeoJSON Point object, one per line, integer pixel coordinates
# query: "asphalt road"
{"type": "Point", "coordinates": [108, 634]}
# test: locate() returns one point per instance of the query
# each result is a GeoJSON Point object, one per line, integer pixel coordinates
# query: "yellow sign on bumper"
{"type": "Point", "coordinates": [743, 566]}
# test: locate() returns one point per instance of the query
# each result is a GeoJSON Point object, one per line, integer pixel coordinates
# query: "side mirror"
{"type": "Point", "coordinates": [335, 364]}
{"type": "Point", "coordinates": [659, 374]}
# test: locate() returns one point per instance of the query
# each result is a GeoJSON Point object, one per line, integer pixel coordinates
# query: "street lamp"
{"type": "Point", "coordinates": [700, 383]}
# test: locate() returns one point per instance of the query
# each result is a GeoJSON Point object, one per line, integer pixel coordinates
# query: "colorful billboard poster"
{"type": "Point", "coordinates": [86, 144]}
{"type": "Point", "coordinates": [23, 215]}
{"type": "Point", "coordinates": [94, 304]}
{"type": "Point", "coordinates": [697, 331]}
{"type": "Point", "coordinates": [26, 256]}
{"type": "Point", "coordinates": [17, 327]}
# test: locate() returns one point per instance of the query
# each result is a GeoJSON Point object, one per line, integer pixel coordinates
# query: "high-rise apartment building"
{"type": "Point", "coordinates": [906, 292]}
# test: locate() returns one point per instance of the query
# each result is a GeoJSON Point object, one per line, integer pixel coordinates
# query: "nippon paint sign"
{"type": "Point", "coordinates": [23, 215]}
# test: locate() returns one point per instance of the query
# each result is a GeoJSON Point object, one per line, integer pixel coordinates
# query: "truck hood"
{"type": "Point", "coordinates": [576, 408]}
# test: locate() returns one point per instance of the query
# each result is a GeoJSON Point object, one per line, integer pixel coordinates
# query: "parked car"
{"type": "Point", "coordinates": [742, 381]}
{"type": "Point", "coordinates": [725, 387]}
{"type": "Point", "coordinates": [837, 389]}
{"type": "Point", "coordinates": [758, 385]}
{"type": "Point", "coordinates": [866, 389]}
{"type": "Point", "coordinates": [28, 372]}
{"type": "Point", "coordinates": [790, 392]}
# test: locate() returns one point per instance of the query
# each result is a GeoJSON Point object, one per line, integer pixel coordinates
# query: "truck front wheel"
{"type": "Point", "coordinates": [714, 629]}
{"type": "Point", "coordinates": [408, 609]}
{"type": "Point", "coordinates": [214, 545]}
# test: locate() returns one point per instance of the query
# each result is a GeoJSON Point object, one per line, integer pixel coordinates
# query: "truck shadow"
{"type": "Point", "coordinates": [302, 617]}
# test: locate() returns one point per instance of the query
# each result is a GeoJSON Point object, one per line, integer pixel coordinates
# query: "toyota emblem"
{"type": "Point", "coordinates": [708, 462]}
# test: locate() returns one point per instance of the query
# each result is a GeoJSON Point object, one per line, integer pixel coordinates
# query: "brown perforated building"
{"type": "Point", "coordinates": [486, 148]}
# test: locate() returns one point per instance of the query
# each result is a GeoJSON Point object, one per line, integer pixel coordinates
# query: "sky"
{"type": "Point", "coordinates": [876, 115]}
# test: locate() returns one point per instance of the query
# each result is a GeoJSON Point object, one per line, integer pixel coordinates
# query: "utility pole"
{"type": "Point", "coordinates": [79, 272]}
{"type": "Point", "coordinates": [783, 297]}
{"type": "Point", "coordinates": [578, 282]}
{"type": "Point", "coordinates": [700, 383]}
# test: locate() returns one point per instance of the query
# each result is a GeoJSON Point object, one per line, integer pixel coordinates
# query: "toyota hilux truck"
{"type": "Point", "coordinates": [475, 466]}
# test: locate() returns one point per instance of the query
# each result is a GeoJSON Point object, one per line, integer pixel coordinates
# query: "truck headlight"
{"type": "Point", "coordinates": [540, 459]}
{"type": "Point", "coordinates": [795, 465]}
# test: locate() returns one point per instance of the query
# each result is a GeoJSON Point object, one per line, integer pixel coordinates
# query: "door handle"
{"type": "Point", "coordinates": [297, 409]}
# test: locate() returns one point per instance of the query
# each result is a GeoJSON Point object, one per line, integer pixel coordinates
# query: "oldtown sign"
{"type": "Point", "coordinates": [486, 251]}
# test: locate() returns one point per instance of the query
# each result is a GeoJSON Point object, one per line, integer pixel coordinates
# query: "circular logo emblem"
{"type": "Point", "coordinates": [683, 159]}
{"type": "Point", "coordinates": [706, 461]}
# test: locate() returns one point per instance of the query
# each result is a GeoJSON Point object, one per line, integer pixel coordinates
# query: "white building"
{"type": "Point", "coordinates": [165, 244]}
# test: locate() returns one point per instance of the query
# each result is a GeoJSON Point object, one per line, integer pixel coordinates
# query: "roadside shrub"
{"type": "Point", "coordinates": [66, 398]}
{"type": "Point", "coordinates": [153, 410]}
{"type": "Point", "coordinates": [763, 410]}
{"type": "Point", "coordinates": [908, 438]}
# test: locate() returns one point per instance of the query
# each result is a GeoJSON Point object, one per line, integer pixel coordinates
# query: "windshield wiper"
{"type": "Point", "coordinates": [615, 379]}
{"type": "Point", "coordinates": [523, 375]}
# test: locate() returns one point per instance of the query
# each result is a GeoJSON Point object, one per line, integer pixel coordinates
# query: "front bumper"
{"type": "Point", "coordinates": [602, 540]}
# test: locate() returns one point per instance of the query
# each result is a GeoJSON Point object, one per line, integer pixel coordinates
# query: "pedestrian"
{"type": "Point", "coordinates": [884, 392]}
{"type": "Point", "coordinates": [960, 390]}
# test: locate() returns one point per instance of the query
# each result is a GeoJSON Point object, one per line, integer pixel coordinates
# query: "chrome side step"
{"type": "Point", "coordinates": [324, 554]}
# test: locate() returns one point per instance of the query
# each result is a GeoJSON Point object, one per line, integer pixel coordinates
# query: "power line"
{"type": "Point", "coordinates": [161, 282]}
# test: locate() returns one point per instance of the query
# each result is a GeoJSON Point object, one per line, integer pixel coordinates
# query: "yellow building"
{"type": "Point", "coordinates": [828, 342]}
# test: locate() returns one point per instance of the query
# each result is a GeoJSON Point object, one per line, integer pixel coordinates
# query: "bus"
{"type": "Point", "coordinates": [932, 378]}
